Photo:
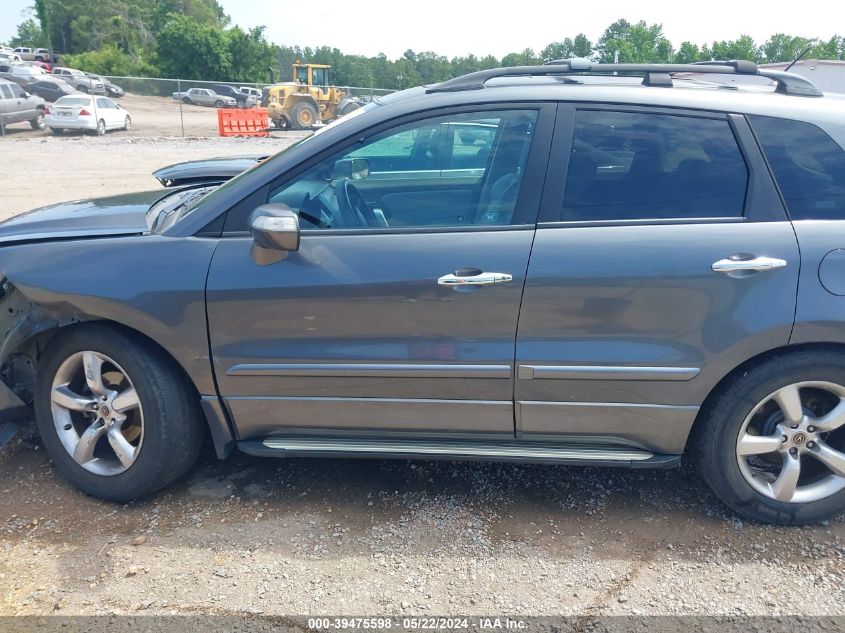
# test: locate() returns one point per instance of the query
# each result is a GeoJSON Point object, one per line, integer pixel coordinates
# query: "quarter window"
{"type": "Point", "coordinates": [808, 165]}
{"type": "Point", "coordinates": [449, 171]}
{"type": "Point", "coordinates": [627, 166]}
{"type": "Point", "coordinates": [5, 91]}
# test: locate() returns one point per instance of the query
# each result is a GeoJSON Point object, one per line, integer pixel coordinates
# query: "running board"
{"type": "Point", "coordinates": [527, 452]}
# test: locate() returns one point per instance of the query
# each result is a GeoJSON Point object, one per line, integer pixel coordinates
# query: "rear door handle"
{"type": "Point", "coordinates": [755, 264]}
{"type": "Point", "coordinates": [473, 277]}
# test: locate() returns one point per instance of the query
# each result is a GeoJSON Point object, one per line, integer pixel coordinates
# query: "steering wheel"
{"type": "Point", "coordinates": [352, 201]}
{"type": "Point", "coordinates": [317, 212]}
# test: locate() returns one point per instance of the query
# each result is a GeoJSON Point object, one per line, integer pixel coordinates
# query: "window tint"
{"type": "Point", "coordinates": [808, 165]}
{"type": "Point", "coordinates": [625, 166]}
{"type": "Point", "coordinates": [17, 91]}
{"type": "Point", "coordinates": [423, 174]}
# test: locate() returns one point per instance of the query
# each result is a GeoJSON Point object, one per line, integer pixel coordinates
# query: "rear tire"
{"type": "Point", "coordinates": [282, 123]}
{"type": "Point", "coordinates": [350, 107]}
{"type": "Point", "coordinates": [747, 444]}
{"type": "Point", "coordinates": [170, 435]}
{"type": "Point", "coordinates": [101, 128]}
{"type": "Point", "coordinates": [38, 122]}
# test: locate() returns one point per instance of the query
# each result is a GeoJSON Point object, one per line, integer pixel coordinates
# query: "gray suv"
{"type": "Point", "coordinates": [569, 264]}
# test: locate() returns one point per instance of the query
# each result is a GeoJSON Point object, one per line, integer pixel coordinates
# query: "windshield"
{"type": "Point", "coordinates": [170, 209]}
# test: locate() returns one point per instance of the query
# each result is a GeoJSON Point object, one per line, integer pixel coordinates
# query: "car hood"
{"type": "Point", "coordinates": [209, 170]}
{"type": "Point", "coordinates": [113, 216]}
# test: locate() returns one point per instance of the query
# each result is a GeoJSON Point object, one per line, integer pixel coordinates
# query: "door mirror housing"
{"type": "Point", "coordinates": [351, 169]}
{"type": "Point", "coordinates": [275, 233]}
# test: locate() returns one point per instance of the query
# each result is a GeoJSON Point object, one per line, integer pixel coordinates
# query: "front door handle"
{"type": "Point", "coordinates": [473, 277]}
{"type": "Point", "coordinates": [754, 264]}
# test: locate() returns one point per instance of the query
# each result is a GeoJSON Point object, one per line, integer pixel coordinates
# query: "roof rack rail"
{"type": "Point", "coordinates": [653, 74]}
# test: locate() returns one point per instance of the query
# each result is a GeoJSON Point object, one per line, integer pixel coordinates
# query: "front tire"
{"type": "Point", "coordinates": [218, 104]}
{"type": "Point", "coordinates": [127, 124]}
{"type": "Point", "coordinates": [304, 115]}
{"type": "Point", "coordinates": [771, 445]}
{"type": "Point", "coordinates": [116, 415]}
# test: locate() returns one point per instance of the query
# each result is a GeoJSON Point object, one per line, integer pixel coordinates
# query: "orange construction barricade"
{"type": "Point", "coordinates": [238, 122]}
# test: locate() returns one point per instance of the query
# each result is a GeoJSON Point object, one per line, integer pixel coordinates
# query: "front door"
{"type": "Point", "coordinates": [398, 313]}
{"type": "Point", "coordinates": [663, 263]}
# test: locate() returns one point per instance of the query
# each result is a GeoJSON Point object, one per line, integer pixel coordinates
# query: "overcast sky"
{"type": "Point", "coordinates": [459, 27]}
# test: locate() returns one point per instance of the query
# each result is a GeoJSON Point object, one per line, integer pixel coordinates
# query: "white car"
{"type": "Point", "coordinates": [83, 112]}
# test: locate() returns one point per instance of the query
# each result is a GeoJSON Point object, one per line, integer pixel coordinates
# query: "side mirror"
{"type": "Point", "coordinates": [275, 233]}
{"type": "Point", "coordinates": [351, 169]}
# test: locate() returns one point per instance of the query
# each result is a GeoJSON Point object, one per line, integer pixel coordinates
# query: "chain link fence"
{"type": "Point", "coordinates": [168, 107]}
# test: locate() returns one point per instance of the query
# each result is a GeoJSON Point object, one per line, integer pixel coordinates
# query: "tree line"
{"type": "Point", "coordinates": [193, 39]}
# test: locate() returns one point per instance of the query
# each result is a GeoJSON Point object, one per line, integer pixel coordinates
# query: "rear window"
{"type": "Point", "coordinates": [74, 101]}
{"type": "Point", "coordinates": [631, 166]}
{"type": "Point", "coordinates": [808, 165]}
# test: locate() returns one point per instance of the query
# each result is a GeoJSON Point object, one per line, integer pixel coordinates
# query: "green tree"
{"type": "Point", "coordinates": [781, 47]}
{"type": "Point", "coordinates": [638, 42]}
{"type": "Point", "coordinates": [687, 53]}
{"type": "Point", "coordinates": [188, 49]}
{"type": "Point", "coordinates": [29, 34]}
{"type": "Point", "coordinates": [249, 53]}
{"type": "Point", "coordinates": [580, 46]}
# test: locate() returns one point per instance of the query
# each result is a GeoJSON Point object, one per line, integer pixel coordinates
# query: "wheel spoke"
{"type": "Point", "coordinates": [789, 401]}
{"type": "Point", "coordinates": [122, 448]}
{"type": "Point", "coordinates": [758, 444]}
{"type": "Point", "coordinates": [126, 400]}
{"type": "Point", "coordinates": [67, 399]}
{"type": "Point", "coordinates": [783, 488]}
{"type": "Point", "coordinates": [832, 420]}
{"type": "Point", "coordinates": [84, 451]}
{"type": "Point", "coordinates": [94, 372]}
{"type": "Point", "coordinates": [830, 457]}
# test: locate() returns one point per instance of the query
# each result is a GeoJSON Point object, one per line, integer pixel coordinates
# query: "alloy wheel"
{"type": "Point", "coordinates": [790, 447]}
{"type": "Point", "coordinates": [97, 413]}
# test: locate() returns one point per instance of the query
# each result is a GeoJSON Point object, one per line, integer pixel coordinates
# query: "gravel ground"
{"type": "Point", "coordinates": [263, 536]}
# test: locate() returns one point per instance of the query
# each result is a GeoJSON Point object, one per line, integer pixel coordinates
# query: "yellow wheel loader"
{"type": "Point", "coordinates": [307, 100]}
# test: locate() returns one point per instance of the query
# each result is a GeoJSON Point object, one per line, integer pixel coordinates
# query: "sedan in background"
{"type": "Point", "coordinates": [45, 66]}
{"type": "Point", "coordinates": [112, 90]}
{"type": "Point", "coordinates": [97, 114]}
{"type": "Point", "coordinates": [52, 89]}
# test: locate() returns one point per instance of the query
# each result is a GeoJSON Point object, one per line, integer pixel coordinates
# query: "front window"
{"type": "Point", "coordinates": [450, 171]}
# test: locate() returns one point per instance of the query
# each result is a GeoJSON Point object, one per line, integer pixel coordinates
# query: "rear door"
{"type": "Point", "coordinates": [663, 260]}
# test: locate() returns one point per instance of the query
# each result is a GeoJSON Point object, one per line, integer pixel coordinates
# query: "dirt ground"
{"type": "Point", "coordinates": [264, 536]}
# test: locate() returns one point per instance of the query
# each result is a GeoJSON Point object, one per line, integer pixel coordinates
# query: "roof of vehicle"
{"type": "Point", "coordinates": [685, 92]}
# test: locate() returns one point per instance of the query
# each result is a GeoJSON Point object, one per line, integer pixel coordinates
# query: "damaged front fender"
{"type": "Point", "coordinates": [21, 322]}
